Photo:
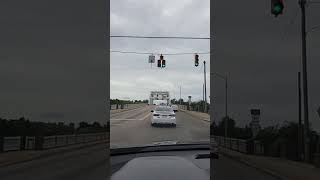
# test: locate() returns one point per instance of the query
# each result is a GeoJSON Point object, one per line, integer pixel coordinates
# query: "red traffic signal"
{"type": "Point", "coordinates": [196, 60]}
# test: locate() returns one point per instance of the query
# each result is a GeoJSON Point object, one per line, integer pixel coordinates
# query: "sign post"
{"type": "Point", "coordinates": [151, 59]}
{"type": "Point", "coordinates": [255, 122]}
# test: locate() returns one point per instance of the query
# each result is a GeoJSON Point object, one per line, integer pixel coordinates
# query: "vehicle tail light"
{"type": "Point", "coordinates": [156, 115]}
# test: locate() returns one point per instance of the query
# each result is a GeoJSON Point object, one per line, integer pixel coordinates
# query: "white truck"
{"type": "Point", "coordinates": [159, 98]}
{"type": "Point", "coordinates": [160, 102]}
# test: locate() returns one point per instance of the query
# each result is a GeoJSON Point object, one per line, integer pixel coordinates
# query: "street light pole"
{"type": "Point", "coordinates": [226, 102]}
{"type": "Point", "coordinates": [305, 81]}
{"type": "Point", "coordinates": [205, 87]}
{"type": "Point", "coordinates": [180, 95]}
{"type": "Point", "coordinates": [226, 94]}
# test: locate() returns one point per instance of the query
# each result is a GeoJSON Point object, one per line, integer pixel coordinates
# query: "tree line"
{"type": "Point", "coordinates": [119, 101]}
{"type": "Point", "coordinates": [25, 127]}
{"type": "Point", "coordinates": [195, 106]}
{"type": "Point", "coordinates": [275, 139]}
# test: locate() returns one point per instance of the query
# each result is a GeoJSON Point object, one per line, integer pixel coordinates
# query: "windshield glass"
{"type": "Point", "coordinates": [159, 73]}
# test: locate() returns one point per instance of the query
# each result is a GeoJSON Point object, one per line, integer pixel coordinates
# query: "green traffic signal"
{"type": "Point", "coordinates": [163, 63]}
{"type": "Point", "coordinates": [277, 7]}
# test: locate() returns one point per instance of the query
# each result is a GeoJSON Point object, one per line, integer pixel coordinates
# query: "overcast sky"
{"type": "Point", "coordinates": [263, 55]}
{"type": "Point", "coordinates": [131, 75]}
{"type": "Point", "coordinates": [52, 63]}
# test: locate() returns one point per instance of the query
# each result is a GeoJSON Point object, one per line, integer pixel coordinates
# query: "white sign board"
{"type": "Point", "coordinates": [152, 59]}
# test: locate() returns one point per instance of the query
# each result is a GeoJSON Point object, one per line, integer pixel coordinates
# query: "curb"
{"type": "Point", "coordinates": [186, 111]}
{"type": "Point", "coordinates": [247, 163]}
{"type": "Point", "coordinates": [46, 154]}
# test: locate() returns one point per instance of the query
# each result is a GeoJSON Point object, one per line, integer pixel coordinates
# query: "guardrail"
{"type": "Point", "coordinates": [196, 109]}
{"type": "Point", "coordinates": [46, 142]}
{"type": "Point", "coordinates": [184, 107]}
{"type": "Point", "coordinates": [241, 145]}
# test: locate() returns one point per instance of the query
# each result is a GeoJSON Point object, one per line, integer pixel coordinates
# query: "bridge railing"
{"type": "Point", "coordinates": [19, 143]}
{"type": "Point", "coordinates": [240, 145]}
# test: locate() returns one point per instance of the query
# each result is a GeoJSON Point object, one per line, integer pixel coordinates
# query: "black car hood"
{"type": "Point", "coordinates": [160, 168]}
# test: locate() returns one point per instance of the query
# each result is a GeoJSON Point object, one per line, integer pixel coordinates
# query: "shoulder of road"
{"type": "Point", "coordinates": [277, 167]}
{"type": "Point", "coordinates": [15, 157]}
{"type": "Point", "coordinates": [134, 106]}
{"type": "Point", "coordinates": [199, 115]}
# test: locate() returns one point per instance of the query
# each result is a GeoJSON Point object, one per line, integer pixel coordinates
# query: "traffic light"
{"type": "Point", "coordinates": [163, 63]}
{"type": "Point", "coordinates": [277, 7]}
{"type": "Point", "coordinates": [196, 60]}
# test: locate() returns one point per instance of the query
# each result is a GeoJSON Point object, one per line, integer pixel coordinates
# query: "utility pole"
{"type": "Point", "coordinates": [305, 81]}
{"type": "Point", "coordinates": [300, 136]}
{"type": "Point", "coordinates": [205, 87]}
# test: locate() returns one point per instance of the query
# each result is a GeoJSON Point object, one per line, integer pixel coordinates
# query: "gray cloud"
{"type": "Point", "coordinates": [52, 60]}
{"type": "Point", "coordinates": [263, 56]}
{"type": "Point", "coordinates": [131, 75]}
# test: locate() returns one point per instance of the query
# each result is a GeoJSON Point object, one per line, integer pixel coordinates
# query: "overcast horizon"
{"type": "Point", "coordinates": [131, 76]}
{"type": "Point", "coordinates": [52, 66]}
{"type": "Point", "coordinates": [263, 56]}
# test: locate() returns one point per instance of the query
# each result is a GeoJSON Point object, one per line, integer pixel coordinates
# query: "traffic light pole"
{"type": "Point", "coordinates": [305, 81]}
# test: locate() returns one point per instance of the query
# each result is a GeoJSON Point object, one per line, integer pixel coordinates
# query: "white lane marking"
{"type": "Point", "coordinates": [145, 117]}
{"type": "Point", "coordinates": [123, 119]}
{"type": "Point", "coordinates": [126, 111]}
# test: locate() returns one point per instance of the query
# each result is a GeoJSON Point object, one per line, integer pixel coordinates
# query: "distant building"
{"type": "Point", "coordinates": [159, 95]}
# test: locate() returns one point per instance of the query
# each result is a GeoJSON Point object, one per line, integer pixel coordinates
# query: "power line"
{"type": "Point", "coordinates": [160, 37]}
{"type": "Point", "coordinates": [313, 2]}
{"type": "Point", "coordinates": [134, 52]}
{"type": "Point", "coordinates": [130, 52]}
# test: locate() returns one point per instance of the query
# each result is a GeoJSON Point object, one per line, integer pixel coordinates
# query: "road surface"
{"type": "Point", "coordinates": [133, 128]}
{"type": "Point", "coordinates": [127, 128]}
{"type": "Point", "coordinates": [225, 168]}
{"type": "Point", "coordinates": [84, 164]}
